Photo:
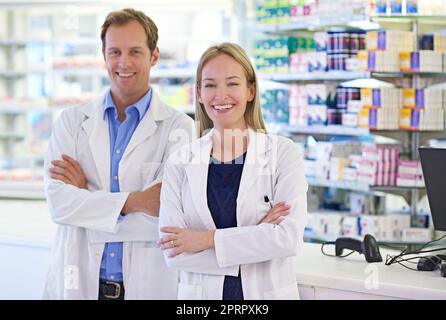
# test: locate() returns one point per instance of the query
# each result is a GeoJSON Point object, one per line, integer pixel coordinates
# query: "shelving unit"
{"type": "Point", "coordinates": [313, 23]}
{"type": "Point", "coordinates": [50, 58]}
{"type": "Point", "coordinates": [315, 76]}
{"type": "Point", "coordinates": [411, 140]}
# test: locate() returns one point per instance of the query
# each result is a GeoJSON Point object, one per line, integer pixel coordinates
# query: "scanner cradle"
{"type": "Point", "coordinates": [369, 247]}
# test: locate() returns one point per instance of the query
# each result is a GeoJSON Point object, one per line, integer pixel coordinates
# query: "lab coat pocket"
{"type": "Point", "coordinates": [189, 292]}
{"type": "Point", "coordinates": [151, 278]}
{"type": "Point", "coordinates": [289, 292]}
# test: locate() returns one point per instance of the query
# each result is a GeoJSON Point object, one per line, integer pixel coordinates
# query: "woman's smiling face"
{"type": "Point", "coordinates": [224, 92]}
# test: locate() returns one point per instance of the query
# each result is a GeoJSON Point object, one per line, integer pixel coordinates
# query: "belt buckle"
{"type": "Point", "coordinates": [117, 290]}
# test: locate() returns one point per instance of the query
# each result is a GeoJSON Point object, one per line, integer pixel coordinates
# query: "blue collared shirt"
{"type": "Point", "coordinates": [120, 134]}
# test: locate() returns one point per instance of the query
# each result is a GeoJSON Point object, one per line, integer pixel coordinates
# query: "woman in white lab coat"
{"type": "Point", "coordinates": [233, 203]}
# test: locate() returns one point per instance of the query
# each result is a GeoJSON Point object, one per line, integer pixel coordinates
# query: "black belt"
{"type": "Point", "coordinates": [110, 290]}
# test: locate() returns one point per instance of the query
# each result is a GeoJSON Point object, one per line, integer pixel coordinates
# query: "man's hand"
{"type": "Point", "coordinates": [276, 214]}
{"type": "Point", "coordinates": [185, 240]}
{"type": "Point", "coordinates": [147, 201]}
{"type": "Point", "coordinates": [69, 171]}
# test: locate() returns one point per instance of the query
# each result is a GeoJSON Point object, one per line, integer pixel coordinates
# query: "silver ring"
{"type": "Point", "coordinates": [172, 242]}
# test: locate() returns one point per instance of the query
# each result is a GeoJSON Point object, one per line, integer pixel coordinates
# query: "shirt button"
{"type": "Point", "coordinates": [112, 277]}
{"type": "Point", "coordinates": [115, 177]}
{"type": "Point", "coordinates": [112, 254]}
{"type": "Point", "coordinates": [118, 151]}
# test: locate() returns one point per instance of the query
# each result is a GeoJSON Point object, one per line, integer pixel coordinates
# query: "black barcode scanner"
{"type": "Point", "coordinates": [368, 247]}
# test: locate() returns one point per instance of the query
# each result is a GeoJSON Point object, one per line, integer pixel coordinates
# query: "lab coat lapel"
{"type": "Point", "coordinates": [197, 176]}
{"type": "Point", "coordinates": [96, 127]}
{"type": "Point", "coordinates": [147, 127]}
{"type": "Point", "coordinates": [256, 165]}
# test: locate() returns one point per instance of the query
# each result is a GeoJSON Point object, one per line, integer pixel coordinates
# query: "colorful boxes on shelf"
{"type": "Point", "coordinates": [390, 40]}
{"type": "Point", "coordinates": [390, 227]}
{"type": "Point", "coordinates": [421, 61]}
{"type": "Point", "coordinates": [410, 174]}
{"type": "Point", "coordinates": [378, 165]}
{"type": "Point", "coordinates": [274, 105]}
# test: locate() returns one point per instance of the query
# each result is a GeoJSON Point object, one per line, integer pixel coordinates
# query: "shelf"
{"type": "Point", "coordinates": [27, 189]}
{"type": "Point", "coordinates": [313, 23]}
{"type": "Point", "coordinates": [101, 72]}
{"type": "Point", "coordinates": [12, 136]}
{"type": "Point", "coordinates": [81, 71]}
{"type": "Point", "coordinates": [408, 74]}
{"type": "Point", "coordinates": [425, 23]}
{"type": "Point", "coordinates": [340, 130]}
{"type": "Point", "coordinates": [440, 18]}
{"type": "Point", "coordinates": [355, 186]}
{"type": "Point", "coordinates": [315, 76]}
{"type": "Point", "coordinates": [347, 185]}
{"type": "Point", "coordinates": [328, 130]}
{"type": "Point", "coordinates": [343, 75]}
{"type": "Point", "coordinates": [74, 41]}
{"type": "Point", "coordinates": [321, 238]}
{"type": "Point", "coordinates": [15, 109]}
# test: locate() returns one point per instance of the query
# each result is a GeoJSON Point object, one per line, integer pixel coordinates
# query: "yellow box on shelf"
{"type": "Point", "coordinates": [409, 97]}
{"type": "Point", "coordinates": [363, 60]}
{"type": "Point", "coordinates": [363, 120]}
{"type": "Point", "coordinates": [405, 61]}
{"type": "Point", "coordinates": [366, 97]}
{"type": "Point", "coordinates": [405, 118]}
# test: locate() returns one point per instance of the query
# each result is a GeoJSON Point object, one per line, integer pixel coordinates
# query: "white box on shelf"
{"type": "Point", "coordinates": [416, 234]}
{"type": "Point", "coordinates": [370, 225]}
{"type": "Point", "coordinates": [350, 226]}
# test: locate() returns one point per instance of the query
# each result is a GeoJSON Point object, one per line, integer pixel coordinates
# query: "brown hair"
{"type": "Point", "coordinates": [253, 115]}
{"type": "Point", "coordinates": [122, 17]}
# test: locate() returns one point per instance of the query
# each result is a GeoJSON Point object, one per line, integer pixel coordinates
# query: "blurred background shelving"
{"type": "Point", "coordinates": [337, 80]}
{"type": "Point", "coordinates": [321, 66]}
{"type": "Point", "coordinates": [50, 59]}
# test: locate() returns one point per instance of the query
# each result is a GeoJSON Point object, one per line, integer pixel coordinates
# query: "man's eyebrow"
{"type": "Point", "coordinates": [131, 48]}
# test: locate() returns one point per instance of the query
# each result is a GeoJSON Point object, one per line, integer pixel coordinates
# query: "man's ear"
{"type": "Point", "coordinates": [154, 57]}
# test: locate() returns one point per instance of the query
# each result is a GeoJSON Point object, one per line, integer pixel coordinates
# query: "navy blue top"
{"type": "Point", "coordinates": [222, 190]}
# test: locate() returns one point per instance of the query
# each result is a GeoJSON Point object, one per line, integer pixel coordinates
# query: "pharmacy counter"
{"type": "Point", "coordinates": [26, 235]}
{"type": "Point", "coordinates": [323, 277]}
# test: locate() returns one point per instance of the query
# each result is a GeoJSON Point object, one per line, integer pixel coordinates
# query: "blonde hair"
{"type": "Point", "coordinates": [124, 16]}
{"type": "Point", "coordinates": [253, 115]}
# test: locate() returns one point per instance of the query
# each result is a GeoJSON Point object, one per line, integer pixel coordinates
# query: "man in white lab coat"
{"type": "Point", "coordinates": [103, 171]}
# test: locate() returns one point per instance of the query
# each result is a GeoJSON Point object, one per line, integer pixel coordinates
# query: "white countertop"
{"type": "Point", "coordinates": [28, 223]}
{"type": "Point", "coordinates": [353, 273]}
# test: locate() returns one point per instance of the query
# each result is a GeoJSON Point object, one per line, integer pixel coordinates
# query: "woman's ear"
{"type": "Point", "coordinates": [199, 95]}
{"type": "Point", "coordinates": [251, 92]}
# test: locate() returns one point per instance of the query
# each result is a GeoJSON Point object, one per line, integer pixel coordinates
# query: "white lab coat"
{"type": "Point", "coordinates": [265, 253]}
{"type": "Point", "coordinates": [88, 218]}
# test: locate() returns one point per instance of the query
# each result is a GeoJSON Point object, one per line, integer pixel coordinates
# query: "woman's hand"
{"type": "Point", "coordinates": [185, 240]}
{"type": "Point", "coordinates": [69, 171]}
{"type": "Point", "coordinates": [276, 214]}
